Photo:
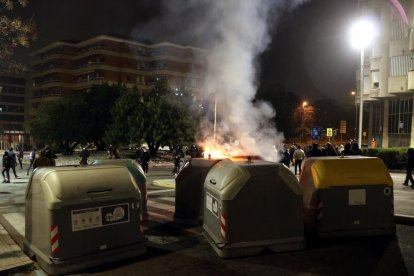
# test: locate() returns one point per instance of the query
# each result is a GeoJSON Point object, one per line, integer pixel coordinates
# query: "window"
{"type": "Point", "coordinates": [367, 86]}
{"type": "Point", "coordinates": [400, 65]}
{"type": "Point", "coordinates": [400, 116]}
{"type": "Point", "coordinates": [378, 118]}
{"type": "Point", "coordinates": [398, 28]}
{"type": "Point", "coordinates": [375, 78]}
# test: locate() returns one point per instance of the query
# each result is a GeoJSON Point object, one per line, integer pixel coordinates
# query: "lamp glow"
{"type": "Point", "coordinates": [362, 33]}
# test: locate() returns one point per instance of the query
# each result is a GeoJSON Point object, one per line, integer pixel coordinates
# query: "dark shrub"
{"type": "Point", "coordinates": [393, 158]}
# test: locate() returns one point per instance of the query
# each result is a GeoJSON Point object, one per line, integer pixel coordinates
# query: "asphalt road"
{"type": "Point", "coordinates": [174, 250]}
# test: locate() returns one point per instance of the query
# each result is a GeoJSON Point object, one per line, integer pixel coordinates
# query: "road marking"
{"type": "Point", "coordinates": [159, 191]}
{"type": "Point", "coordinates": [160, 240]}
{"type": "Point", "coordinates": [160, 205]}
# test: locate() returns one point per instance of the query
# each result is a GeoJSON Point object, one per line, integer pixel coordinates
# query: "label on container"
{"type": "Point", "coordinates": [212, 204]}
{"type": "Point", "coordinates": [83, 219]}
{"type": "Point", "coordinates": [357, 197]}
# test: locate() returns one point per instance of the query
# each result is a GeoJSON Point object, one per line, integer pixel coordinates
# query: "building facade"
{"type": "Point", "coordinates": [64, 68]}
{"type": "Point", "coordinates": [13, 105]}
{"type": "Point", "coordinates": [388, 81]}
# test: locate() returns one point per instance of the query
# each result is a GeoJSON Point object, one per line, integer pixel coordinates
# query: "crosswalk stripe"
{"type": "Point", "coordinates": [161, 205]}
{"type": "Point", "coordinates": [165, 198]}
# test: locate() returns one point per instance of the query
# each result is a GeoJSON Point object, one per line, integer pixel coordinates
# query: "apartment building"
{"type": "Point", "coordinates": [13, 104]}
{"type": "Point", "coordinates": [388, 82]}
{"type": "Point", "coordinates": [63, 67]}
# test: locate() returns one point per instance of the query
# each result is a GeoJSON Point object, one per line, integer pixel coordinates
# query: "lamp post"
{"type": "Point", "coordinates": [362, 33]}
{"type": "Point", "coordinates": [353, 93]}
{"type": "Point", "coordinates": [304, 104]}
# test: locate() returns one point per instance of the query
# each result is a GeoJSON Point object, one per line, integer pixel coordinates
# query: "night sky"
{"type": "Point", "coordinates": [310, 53]}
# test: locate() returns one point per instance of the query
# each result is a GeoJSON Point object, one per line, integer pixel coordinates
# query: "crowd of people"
{"type": "Point", "coordinates": [291, 156]}
{"type": "Point", "coordinates": [11, 160]}
{"type": "Point", "coordinates": [294, 155]}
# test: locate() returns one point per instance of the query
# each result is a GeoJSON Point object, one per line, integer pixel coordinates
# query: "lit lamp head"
{"type": "Point", "coordinates": [362, 33]}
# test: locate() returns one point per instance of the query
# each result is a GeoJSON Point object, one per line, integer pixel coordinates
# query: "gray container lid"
{"type": "Point", "coordinates": [227, 177]}
{"type": "Point", "coordinates": [63, 186]}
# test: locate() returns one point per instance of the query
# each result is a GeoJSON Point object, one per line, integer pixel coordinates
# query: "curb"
{"type": "Point", "coordinates": [403, 219]}
{"type": "Point", "coordinates": [21, 261]}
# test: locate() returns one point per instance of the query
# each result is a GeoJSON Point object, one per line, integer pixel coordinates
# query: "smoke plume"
{"type": "Point", "coordinates": [234, 32]}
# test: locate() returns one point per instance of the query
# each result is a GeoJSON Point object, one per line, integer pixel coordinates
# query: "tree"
{"type": "Point", "coordinates": [304, 118]}
{"type": "Point", "coordinates": [59, 123]}
{"type": "Point", "coordinates": [76, 119]}
{"type": "Point", "coordinates": [117, 131]}
{"type": "Point", "coordinates": [14, 32]}
{"type": "Point", "coordinates": [160, 117]}
{"type": "Point", "coordinates": [100, 100]}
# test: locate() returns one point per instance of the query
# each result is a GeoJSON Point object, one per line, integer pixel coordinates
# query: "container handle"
{"type": "Point", "coordinates": [100, 191]}
{"type": "Point", "coordinates": [213, 181]}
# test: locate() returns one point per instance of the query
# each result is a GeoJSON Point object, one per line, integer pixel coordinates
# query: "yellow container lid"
{"type": "Point", "coordinates": [332, 172]}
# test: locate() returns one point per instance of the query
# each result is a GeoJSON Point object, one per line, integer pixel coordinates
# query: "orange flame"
{"type": "Point", "coordinates": [217, 152]}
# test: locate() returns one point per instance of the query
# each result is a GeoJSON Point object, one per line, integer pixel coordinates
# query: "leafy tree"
{"type": "Point", "coordinates": [59, 123]}
{"type": "Point", "coordinates": [118, 132]}
{"type": "Point", "coordinates": [77, 119]}
{"type": "Point", "coordinates": [14, 32]}
{"type": "Point", "coordinates": [160, 117]}
{"type": "Point", "coordinates": [304, 118]}
{"type": "Point", "coordinates": [100, 100]}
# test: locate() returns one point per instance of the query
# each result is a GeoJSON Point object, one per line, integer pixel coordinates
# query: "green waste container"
{"type": "Point", "coordinates": [250, 206]}
{"type": "Point", "coordinates": [80, 217]}
{"type": "Point", "coordinates": [136, 170]}
{"type": "Point", "coordinates": [349, 196]}
{"type": "Point", "coordinates": [189, 191]}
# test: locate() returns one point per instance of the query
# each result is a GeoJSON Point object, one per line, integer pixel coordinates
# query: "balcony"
{"type": "Point", "coordinates": [88, 82]}
{"type": "Point", "coordinates": [397, 85]}
{"type": "Point", "coordinates": [411, 79]}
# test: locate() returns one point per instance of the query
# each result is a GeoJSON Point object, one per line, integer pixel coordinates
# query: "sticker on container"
{"type": "Point", "coordinates": [84, 219]}
{"type": "Point", "coordinates": [115, 214]}
{"type": "Point", "coordinates": [212, 204]}
{"type": "Point", "coordinates": [357, 197]}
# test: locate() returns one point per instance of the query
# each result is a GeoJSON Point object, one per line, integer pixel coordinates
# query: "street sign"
{"type": "Point", "coordinates": [342, 126]}
{"type": "Point", "coordinates": [316, 133]}
{"type": "Point", "coordinates": [329, 132]}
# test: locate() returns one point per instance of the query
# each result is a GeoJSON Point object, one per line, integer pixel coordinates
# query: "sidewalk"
{"type": "Point", "coordinates": [12, 257]}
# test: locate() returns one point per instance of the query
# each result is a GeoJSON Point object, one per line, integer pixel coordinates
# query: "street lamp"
{"type": "Point", "coordinates": [353, 93]}
{"type": "Point", "coordinates": [304, 104]}
{"type": "Point", "coordinates": [362, 34]}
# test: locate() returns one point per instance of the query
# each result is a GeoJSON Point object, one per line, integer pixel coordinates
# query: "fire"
{"type": "Point", "coordinates": [217, 152]}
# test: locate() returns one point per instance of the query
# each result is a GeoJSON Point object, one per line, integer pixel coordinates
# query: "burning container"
{"type": "Point", "coordinates": [189, 191]}
{"type": "Point", "coordinates": [138, 173]}
{"type": "Point", "coordinates": [79, 217]}
{"type": "Point", "coordinates": [250, 206]}
{"type": "Point", "coordinates": [351, 196]}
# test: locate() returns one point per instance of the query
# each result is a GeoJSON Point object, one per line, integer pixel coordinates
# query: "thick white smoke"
{"type": "Point", "coordinates": [242, 34]}
{"type": "Point", "coordinates": [234, 32]}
